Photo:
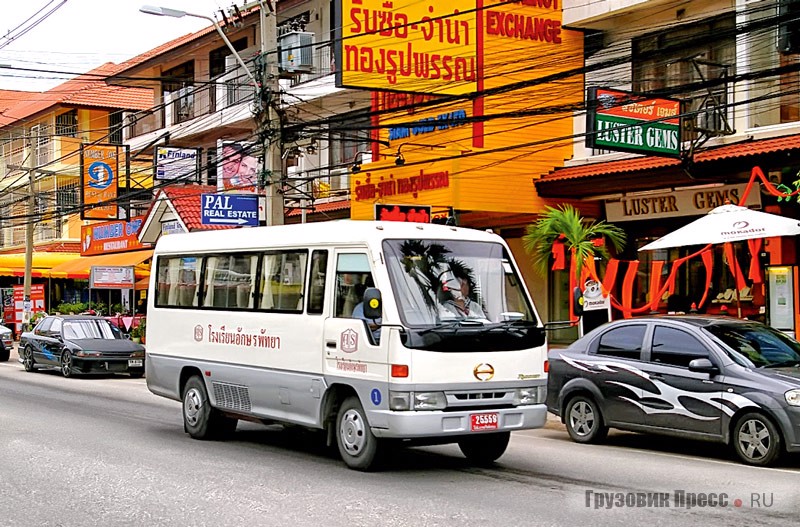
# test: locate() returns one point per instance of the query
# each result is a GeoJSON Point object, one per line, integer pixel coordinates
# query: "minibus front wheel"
{"type": "Point", "coordinates": [359, 448]}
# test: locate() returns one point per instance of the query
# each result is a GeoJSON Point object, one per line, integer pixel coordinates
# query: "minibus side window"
{"type": "Point", "coordinates": [352, 277]}
{"type": "Point", "coordinates": [316, 282]}
{"type": "Point", "coordinates": [230, 281]}
{"type": "Point", "coordinates": [177, 281]}
{"type": "Point", "coordinates": [283, 281]}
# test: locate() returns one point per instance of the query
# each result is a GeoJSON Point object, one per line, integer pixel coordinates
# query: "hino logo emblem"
{"type": "Point", "coordinates": [483, 372]}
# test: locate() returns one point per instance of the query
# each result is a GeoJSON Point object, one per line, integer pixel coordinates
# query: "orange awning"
{"type": "Point", "coordinates": [82, 267]}
{"type": "Point", "coordinates": [41, 263]}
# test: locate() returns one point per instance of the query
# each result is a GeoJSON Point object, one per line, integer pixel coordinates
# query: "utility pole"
{"type": "Point", "coordinates": [272, 141]}
{"type": "Point", "coordinates": [27, 304]}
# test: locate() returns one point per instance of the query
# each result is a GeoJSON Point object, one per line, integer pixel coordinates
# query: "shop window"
{"type": "Point", "coordinates": [67, 124]}
{"type": "Point", "coordinates": [692, 53]}
{"type": "Point", "coordinates": [216, 58]}
{"type": "Point", "coordinates": [345, 144]}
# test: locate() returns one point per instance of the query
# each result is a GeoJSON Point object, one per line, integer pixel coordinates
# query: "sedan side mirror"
{"type": "Point", "coordinates": [703, 366]}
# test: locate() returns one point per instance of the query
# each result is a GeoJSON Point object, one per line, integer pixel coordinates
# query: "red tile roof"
{"type": "Point", "coordinates": [740, 149]}
{"type": "Point", "coordinates": [88, 89]}
{"type": "Point", "coordinates": [322, 207]}
{"type": "Point", "coordinates": [173, 44]}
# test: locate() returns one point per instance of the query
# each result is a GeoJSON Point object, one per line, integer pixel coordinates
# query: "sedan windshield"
{"type": "Point", "coordinates": [88, 329]}
{"type": "Point", "coordinates": [757, 345]}
{"type": "Point", "coordinates": [452, 281]}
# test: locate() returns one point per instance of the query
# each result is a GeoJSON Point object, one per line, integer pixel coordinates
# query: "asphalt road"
{"type": "Point", "coordinates": [106, 452]}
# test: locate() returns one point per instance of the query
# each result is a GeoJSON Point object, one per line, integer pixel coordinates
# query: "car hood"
{"type": "Point", "coordinates": [112, 345]}
{"type": "Point", "coordinates": [4, 330]}
{"type": "Point", "coordinates": [789, 376]}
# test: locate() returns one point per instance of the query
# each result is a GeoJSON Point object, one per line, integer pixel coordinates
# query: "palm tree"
{"type": "Point", "coordinates": [566, 225]}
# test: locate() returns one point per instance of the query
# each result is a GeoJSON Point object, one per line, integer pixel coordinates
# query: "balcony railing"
{"type": "Point", "coordinates": [191, 102]}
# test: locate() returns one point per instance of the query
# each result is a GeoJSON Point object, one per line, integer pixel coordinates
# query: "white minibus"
{"type": "Point", "coordinates": [377, 333]}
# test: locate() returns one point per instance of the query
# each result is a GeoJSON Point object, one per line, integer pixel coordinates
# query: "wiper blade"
{"type": "Point", "coordinates": [782, 364]}
{"type": "Point", "coordinates": [455, 324]}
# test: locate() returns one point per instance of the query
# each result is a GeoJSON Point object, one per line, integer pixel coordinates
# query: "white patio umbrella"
{"type": "Point", "coordinates": [727, 223]}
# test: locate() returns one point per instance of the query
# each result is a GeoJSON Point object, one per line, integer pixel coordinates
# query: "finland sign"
{"type": "Point", "coordinates": [619, 120]}
{"type": "Point", "coordinates": [229, 209]}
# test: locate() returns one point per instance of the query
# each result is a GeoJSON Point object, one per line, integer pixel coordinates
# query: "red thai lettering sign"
{"type": "Point", "coordinates": [409, 213]}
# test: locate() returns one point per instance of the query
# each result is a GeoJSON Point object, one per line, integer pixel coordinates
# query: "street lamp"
{"type": "Point", "coordinates": [175, 13]}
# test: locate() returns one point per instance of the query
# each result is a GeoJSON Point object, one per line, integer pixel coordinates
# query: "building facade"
{"type": "Point", "coordinates": [732, 67]}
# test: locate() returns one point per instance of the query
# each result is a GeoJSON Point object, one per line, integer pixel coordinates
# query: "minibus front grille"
{"type": "Point", "coordinates": [474, 396]}
{"type": "Point", "coordinates": [232, 396]}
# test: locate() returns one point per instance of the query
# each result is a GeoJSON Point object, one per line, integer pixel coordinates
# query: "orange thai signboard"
{"type": "Point", "coordinates": [111, 237]}
{"type": "Point", "coordinates": [483, 151]}
{"type": "Point", "coordinates": [99, 181]}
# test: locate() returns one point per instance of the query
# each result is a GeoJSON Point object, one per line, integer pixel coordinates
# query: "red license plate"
{"type": "Point", "coordinates": [488, 421]}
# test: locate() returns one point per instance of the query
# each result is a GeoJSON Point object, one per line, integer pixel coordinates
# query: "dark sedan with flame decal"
{"type": "Point", "coordinates": [77, 344]}
{"type": "Point", "coordinates": [711, 378]}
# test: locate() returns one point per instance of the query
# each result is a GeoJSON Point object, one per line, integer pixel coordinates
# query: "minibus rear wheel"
{"type": "Point", "coordinates": [484, 449]}
{"type": "Point", "coordinates": [359, 448]}
{"type": "Point", "coordinates": [200, 420]}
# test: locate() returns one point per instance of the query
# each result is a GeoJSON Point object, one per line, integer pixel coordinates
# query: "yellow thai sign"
{"type": "Point", "coordinates": [409, 46]}
{"type": "Point", "coordinates": [484, 151]}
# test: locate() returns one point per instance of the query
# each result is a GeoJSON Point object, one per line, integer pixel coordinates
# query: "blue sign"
{"type": "Point", "coordinates": [229, 209]}
{"type": "Point", "coordinates": [101, 174]}
{"type": "Point", "coordinates": [375, 396]}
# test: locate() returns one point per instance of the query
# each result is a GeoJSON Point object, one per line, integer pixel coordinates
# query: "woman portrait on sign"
{"type": "Point", "coordinates": [239, 170]}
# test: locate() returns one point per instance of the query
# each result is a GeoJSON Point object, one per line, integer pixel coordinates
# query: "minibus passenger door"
{"type": "Point", "coordinates": [353, 344]}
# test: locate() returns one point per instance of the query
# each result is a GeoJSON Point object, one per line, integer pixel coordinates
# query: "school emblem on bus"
{"type": "Point", "coordinates": [348, 341]}
{"type": "Point", "coordinates": [198, 333]}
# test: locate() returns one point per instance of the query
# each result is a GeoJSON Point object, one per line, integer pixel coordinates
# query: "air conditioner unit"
{"type": "Point", "coordinates": [296, 51]}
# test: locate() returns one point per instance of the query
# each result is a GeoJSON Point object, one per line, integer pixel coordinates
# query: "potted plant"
{"type": "Point", "coordinates": [136, 334]}
{"type": "Point", "coordinates": [139, 331]}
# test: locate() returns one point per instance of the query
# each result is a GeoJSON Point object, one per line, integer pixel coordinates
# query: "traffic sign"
{"type": "Point", "coordinates": [229, 209]}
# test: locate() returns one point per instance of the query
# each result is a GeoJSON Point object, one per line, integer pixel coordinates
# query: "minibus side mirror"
{"type": "Point", "coordinates": [373, 303]}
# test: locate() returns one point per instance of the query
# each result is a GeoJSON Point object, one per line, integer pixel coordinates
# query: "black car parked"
{"type": "Point", "coordinates": [79, 344]}
{"type": "Point", "coordinates": [713, 378]}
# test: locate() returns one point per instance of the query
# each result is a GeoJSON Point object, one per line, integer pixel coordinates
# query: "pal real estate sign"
{"type": "Point", "coordinates": [623, 121]}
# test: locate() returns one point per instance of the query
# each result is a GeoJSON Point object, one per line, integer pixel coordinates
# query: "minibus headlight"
{"type": "Point", "coordinates": [529, 395]}
{"type": "Point", "coordinates": [417, 400]}
{"type": "Point", "coordinates": [429, 401]}
{"type": "Point", "coordinates": [399, 400]}
{"type": "Point", "coordinates": [793, 397]}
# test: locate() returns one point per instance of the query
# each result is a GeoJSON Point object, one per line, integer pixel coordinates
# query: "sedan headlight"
{"type": "Point", "coordinates": [84, 353]}
{"type": "Point", "coordinates": [530, 395]}
{"type": "Point", "coordinates": [793, 397]}
{"type": "Point", "coordinates": [417, 400]}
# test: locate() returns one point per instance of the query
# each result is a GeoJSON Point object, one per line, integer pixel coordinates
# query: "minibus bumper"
{"type": "Point", "coordinates": [410, 424]}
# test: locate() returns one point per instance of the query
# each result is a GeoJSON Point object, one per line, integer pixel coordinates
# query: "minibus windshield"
{"type": "Point", "coordinates": [455, 284]}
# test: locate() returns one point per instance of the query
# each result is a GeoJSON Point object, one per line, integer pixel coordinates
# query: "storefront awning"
{"type": "Point", "coordinates": [594, 178]}
{"type": "Point", "coordinates": [41, 263]}
{"type": "Point", "coordinates": [80, 268]}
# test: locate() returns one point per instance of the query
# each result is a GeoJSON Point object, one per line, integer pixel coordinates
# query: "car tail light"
{"type": "Point", "coordinates": [546, 366]}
